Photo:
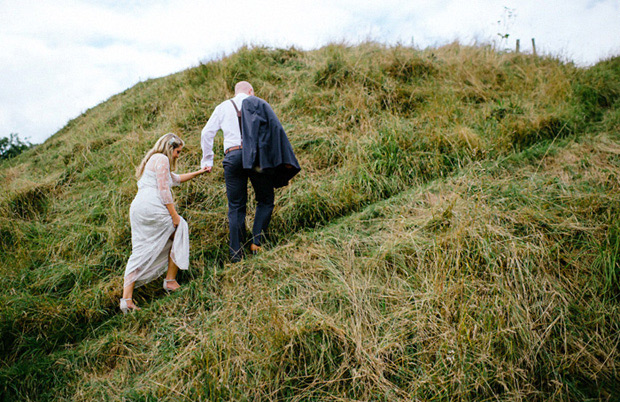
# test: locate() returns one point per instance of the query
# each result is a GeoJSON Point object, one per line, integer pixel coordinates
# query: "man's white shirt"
{"type": "Point", "coordinates": [224, 117]}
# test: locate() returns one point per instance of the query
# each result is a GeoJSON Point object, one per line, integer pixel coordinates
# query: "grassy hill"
{"type": "Point", "coordinates": [453, 235]}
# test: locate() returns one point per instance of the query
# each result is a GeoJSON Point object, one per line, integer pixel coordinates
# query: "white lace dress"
{"type": "Point", "coordinates": [153, 235]}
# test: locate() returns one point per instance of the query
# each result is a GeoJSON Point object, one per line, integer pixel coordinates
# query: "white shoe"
{"type": "Point", "coordinates": [125, 308]}
{"type": "Point", "coordinates": [166, 288]}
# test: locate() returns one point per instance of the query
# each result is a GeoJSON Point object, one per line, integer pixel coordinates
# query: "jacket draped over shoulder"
{"type": "Point", "coordinates": [265, 144]}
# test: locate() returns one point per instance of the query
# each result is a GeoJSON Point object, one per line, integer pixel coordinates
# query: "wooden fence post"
{"type": "Point", "coordinates": [533, 46]}
{"type": "Point", "coordinates": [518, 45]}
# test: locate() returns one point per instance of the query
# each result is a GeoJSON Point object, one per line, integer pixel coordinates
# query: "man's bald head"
{"type": "Point", "coordinates": [244, 87]}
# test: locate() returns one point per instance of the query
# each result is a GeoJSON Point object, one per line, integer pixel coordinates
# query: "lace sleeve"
{"type": "Point", "coordinates": [162, 171]}
{"type": "Point", "coordinates": [176, 179]}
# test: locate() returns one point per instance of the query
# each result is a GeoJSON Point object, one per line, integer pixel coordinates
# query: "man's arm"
{"type": "Point", "coordinates": [207, 136]}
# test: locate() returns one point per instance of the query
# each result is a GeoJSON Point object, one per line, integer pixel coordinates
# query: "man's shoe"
{"type": "Point", "coordinates": [255, 249]}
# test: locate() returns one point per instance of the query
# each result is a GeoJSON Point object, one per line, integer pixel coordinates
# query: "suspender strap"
{"type": "Point", "coordinates": [238, 117]}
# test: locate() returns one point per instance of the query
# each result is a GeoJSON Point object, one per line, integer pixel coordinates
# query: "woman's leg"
{"type": "Point", "coordinates": [128, 295]}
{"type": "Point", "coordinates": [171, 275]}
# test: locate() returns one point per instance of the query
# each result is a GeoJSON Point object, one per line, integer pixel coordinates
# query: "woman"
{"type": "Point", "coordinates": [159, 235]}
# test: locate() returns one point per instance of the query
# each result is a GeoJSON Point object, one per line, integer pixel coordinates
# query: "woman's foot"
{"type": "Point", "coordinates": [128, 305]}
{"type": "Point", "coordinates": [171, 285]}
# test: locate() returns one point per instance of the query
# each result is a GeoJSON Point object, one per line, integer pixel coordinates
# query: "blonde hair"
{"type": "Point", "coordinates": [164, 145]}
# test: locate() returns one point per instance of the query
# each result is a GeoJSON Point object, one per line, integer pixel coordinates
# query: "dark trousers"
{"type": "Point", "coordinates": [237, 192]}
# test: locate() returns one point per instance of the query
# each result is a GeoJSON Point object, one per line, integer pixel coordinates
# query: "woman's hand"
{"type": "Point", "coordinates": [205, 169]}
{"type": "Point", "coordinates": [188, 176]}
{"type": "Point", "coordinates": [176, 218]}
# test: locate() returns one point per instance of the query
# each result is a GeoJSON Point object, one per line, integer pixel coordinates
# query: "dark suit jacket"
{"type": "Point", "coordinates": [265, 144]}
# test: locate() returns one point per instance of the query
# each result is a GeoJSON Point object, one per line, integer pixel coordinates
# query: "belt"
{"type": "Point", "coordinates": [232, 149]}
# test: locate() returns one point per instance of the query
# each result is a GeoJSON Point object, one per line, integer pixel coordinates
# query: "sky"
{"type": "Point", "coordinates": [58, 58]}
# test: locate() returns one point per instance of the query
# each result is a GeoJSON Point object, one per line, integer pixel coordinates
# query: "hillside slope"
{"type": "Point", "coordinates": [453, 235]}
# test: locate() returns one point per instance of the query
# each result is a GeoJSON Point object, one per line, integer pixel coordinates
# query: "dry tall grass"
{"type": "Point", "coordinates": [453, 235]}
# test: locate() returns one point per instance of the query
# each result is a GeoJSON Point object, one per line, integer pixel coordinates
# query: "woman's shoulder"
{"type": "Point", "coordinates": [157, 161]}
{"type": "Point", "coordinates": [159, 157]}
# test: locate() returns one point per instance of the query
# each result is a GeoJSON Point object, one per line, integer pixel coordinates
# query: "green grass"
{"type": "Point", "coordinates": [453, 235]}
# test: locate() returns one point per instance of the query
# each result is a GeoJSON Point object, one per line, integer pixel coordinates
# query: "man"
{"type": "Point", "coordinates": [260, 153]}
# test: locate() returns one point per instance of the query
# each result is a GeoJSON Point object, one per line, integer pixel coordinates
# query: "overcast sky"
{"type": "Point", "coordinates": [59, 58]}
